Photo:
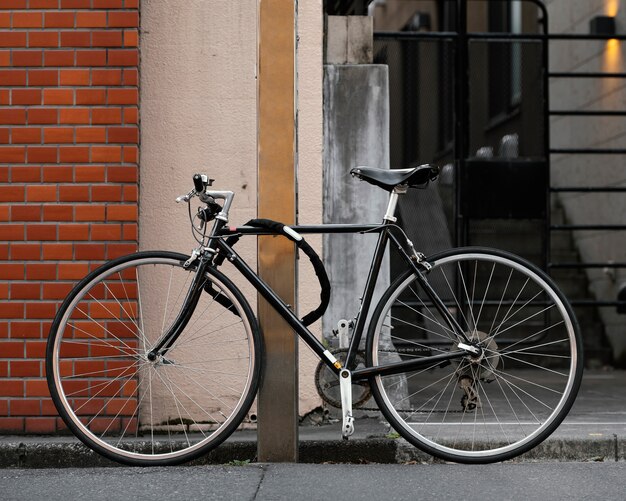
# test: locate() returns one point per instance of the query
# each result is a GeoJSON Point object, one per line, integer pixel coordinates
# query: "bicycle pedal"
{"type": "Point", "coordinates": [348, 427]}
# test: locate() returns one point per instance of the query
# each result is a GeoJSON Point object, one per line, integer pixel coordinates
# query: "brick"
{"type": "Point", "coordinates": [74, 77]}
{"type": "Point", "coordinates": [12, 271]}
{"type": "Point", "coordinates": [91, 19]}
{"type": "Point", "coordinates": [74, 116]}
{"type": "Point", "coordinates": [123, 135]}
{"type": "Point", "coordinates": [13, 77]}
{"type": "Point", "coordinates": [24, 291]}
{"type": "Point", "coordinates": [44, 4]}
{"type": "Point", "coordinates": [26, 213]}
{"type": "Point", "coordinates": [13, 154]}
{"type": "Point", "coordinates": [89, 173]}
{"type": "Point", "coordinates": [10, 424]}
{"type": "Point", "coordinates": [129, 232]}
{"type": "Point", "coordinates": [123, 19]}
{"type": "Point", "coordinates": [12, 116]}
{"type": "Point", "coordinates": [116, 174]}
{"type": "Point", "coordinates": [42, 116]}
{"type": "Point", "coordinates": [131, 154]}
{"type": "Point", "coordinates": [5, 58]}
{"type": "Point", "coordinates": [106, 231]}
{"type": "Point", "coordinates": [73, 154]}
{"type": "Point", "coordinates": [91, 57]}
{"type": "Point", "coordinates": [109, 38]}
{"type": "Point", "coordinates": [4, 137]}
{"type": "Point", "coordinates": [25, 174]}
{"type": "Point", "coordinates": [41, 193]}
{"type": "Point", "coordinates": [5, 19]}
{"type": "Point", "coordinates": [106, 154]}
{"type": "Point", "coordinates": [59, 19]}
{"type": "Point", "coordinates": [91, 135]}
{"type": "Point", "coordinates": [59, 58]}
{"type": "Point", "coordinates": [27, 57]}
{"type": "Point", "coordinates": [11, 193]}
{"type": "Point", "coordinates": [43, 77]}
{"type": "Point", "coordinates": [123, 57]}
{"type": "Point", "coordinates": [25, 407]}
{"type": "Point", "coordinates": [40, 310]}
{"type": "Point", "coordinates": [27, 20]}
{"type": "Point", "coordinates": [11, 310]}
{"type": "Point", "coordinates": [41, 232]}
{"type": "Point", "coordinates": [24, 135]}
{"type": "Point", "coordinates": [107, 194]}
{"type": "Point", "coordinates": [122, 213]}
{"type": "Point", "coordinates": [36, 349]}
{"type": "Point", "coordinates": [43, 39]}
{"type": "Point", "coordinates": [90, 252]}
{"type": "Point", "coordinates": [26, 330]}
{"type": "Point", "coordinates": [131, 38]}
{"type": "Point", "coordinates": [25, 251]}
{"type": "Point", "coordinates": [58, 135]}
{"type": "Point", "coordinates": [4, 372]}
{"type": "Point", "coordinates": [4, 290]}
{"type": "Point", "coordinates": [5, 95]}
{"type": "Point", "coordinates": [58, 174]}
{"type": "Point", "coordinates": [26, 96]}
{"type": "Point", "coordinates": [73, 193]}
{"type": "Point", "coordinates": [90, 96]}
{"type": "Point", "coordinates": [40, 425]}
{"type": "Point", "coordinates": [74, 232]}
{"type": "Point", "coordinates": [90, 213]}
{"type": "Point", "coordinates": [4, 216]}
{"type": "Point", "coordinates": [131, 76]}
{"type": "Point", "coordinates": [75, 39]}
{"type": "Point", "coordinates": [57, 251]}
{"type": "Point", "coordinates": [12, 387]}
{"type": "Point", "coordinates": [108, 4]}
{"type": "Point", "coordinates": [105, 77]}
{"type": "Point", "coordinates": [131, 4]}
{"type": "Point", "coordinates": [58, 96]}
{"type": "Point", "coordinates": [117, 250]}
{"type": "Point", "coordinates": [57, 290]}
{"type": "Point", "coordinates": [106, 115]}
{"type": "Point", "coordinates": [58, 213]}
{"type": "Point", "coordinates": [41, 271]}
{"type": "Point", "coordinates": [72, 271]}
{"type": "Point", "coordinates": [75, 4]}
{"type": "Point", "coordinates": [13, 39]}
{"type": "Point", "coordinates": [42, 154]}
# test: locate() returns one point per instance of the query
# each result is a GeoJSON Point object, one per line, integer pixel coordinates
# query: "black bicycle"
{"type": "Point", "coordinates": [473, 355]}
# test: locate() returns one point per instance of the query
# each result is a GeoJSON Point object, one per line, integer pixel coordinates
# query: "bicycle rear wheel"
{"type": "Point", "coordinates": [487, 408]}
{"type": "Point", "coordinates": [142, 412]}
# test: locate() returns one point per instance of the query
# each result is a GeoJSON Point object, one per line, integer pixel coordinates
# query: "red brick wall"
{"type": "Point", "coordinates": [68, 174]}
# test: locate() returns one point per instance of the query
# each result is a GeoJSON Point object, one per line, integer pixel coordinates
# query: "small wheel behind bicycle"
{"type": "Point", "coordinates": [497, 403]}
{"type": "Point", "coordinates": [144, 410]}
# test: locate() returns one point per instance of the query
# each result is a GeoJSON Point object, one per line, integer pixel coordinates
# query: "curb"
{"type": "Point", "coordinates": [73, 454]}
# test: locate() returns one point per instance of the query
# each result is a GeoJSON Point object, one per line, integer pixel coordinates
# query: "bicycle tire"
{"type": "Point", "coordinates": [477, 409]}
{"type": "Point", "coordinates": [162, 412]}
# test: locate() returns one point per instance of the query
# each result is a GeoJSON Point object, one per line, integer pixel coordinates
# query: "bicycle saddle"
{"type": "Point", "coordinates": [388, 179]}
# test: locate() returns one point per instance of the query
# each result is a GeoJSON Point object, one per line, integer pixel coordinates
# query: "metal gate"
{"type": "Point", "coordinates": [469, 89]}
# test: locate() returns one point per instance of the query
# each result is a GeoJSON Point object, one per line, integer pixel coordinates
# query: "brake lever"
{"type": "Point", "coordinates": [187, 197]}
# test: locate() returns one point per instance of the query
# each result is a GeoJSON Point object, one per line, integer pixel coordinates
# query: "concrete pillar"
{"type": "Point", "coordinates": [356, 132]}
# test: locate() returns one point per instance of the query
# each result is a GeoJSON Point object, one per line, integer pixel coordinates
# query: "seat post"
{"type": "Point", "coordinates": [400, 189]}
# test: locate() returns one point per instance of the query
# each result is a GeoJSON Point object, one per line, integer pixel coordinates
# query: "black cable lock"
{"type": "Point", "coordinates": [278, 228]}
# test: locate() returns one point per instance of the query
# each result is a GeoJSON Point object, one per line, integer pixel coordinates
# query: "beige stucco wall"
{"type": "Point", "coordinates": [198, 114]}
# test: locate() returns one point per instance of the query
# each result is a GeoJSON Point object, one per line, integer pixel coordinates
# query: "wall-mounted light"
{"type": "Point", "coordinates": [602, 25]}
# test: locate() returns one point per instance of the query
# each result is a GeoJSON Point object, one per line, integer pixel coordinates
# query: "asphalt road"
{"type": "Point", "coordinates": [511, 481]}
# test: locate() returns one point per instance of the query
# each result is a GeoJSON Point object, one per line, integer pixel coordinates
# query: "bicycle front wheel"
{"type": "Point", "coordinates": [492, 406]}
{"type": "Point", "coordinates": [152, 412]}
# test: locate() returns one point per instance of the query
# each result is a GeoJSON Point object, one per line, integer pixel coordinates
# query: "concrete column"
{"type": "Point", "coordinates": [356, 132]}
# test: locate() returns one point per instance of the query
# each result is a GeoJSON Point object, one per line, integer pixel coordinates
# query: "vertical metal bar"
{"type": "Point", "coordinates": [461, 132]}
{"type": "Point", "coordinates": [547, 254]}
{"type": "Point", "coordinates": [278, 395]}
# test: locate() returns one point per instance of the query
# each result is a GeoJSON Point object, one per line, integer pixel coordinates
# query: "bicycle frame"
{"type": "Point", "coordinates": [385, 236]}
{"type": "Point", "coordinates": [217, 244]}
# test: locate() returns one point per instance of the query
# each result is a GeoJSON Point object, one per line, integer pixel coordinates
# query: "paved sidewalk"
{"type": "Point", "coordinates": [595, 430]}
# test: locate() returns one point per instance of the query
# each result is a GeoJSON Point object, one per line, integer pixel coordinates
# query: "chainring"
{"type": "Point", "coordinates": [327, 382]}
